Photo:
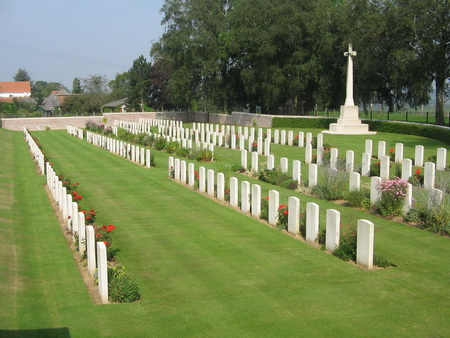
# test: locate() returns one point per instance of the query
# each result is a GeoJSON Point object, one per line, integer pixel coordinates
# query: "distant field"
{"type": "Point", "coordinates": [204, 269]}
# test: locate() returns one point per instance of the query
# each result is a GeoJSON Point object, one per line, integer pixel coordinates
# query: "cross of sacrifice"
{"type": "Point", "coordinates": [349, 98]}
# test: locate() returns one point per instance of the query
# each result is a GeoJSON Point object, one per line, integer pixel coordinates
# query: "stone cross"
{"type": "Point", "coordinates": [349, 98]}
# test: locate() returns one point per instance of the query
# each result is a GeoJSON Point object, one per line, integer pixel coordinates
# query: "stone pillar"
{"type": "Point", "coordinates": [293, 215]}
{"type": "Point", "coordinates": [256, 200]}
{"type": "Point", "coordinates": [312, 221]}
{"type": "Point", "coordinates": [333, 230]}
{"type": "Point", "coordinates": [102, 273]}
{"type": "Point", "coordinates": [274, 203]}
{"type": "Point", "coordinates": [312, 180]}
{"type": "Point", "coordinates": [365, 242]}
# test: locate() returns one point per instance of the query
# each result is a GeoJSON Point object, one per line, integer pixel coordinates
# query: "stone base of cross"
{"type": "Point", "coordinates": [349, 123]}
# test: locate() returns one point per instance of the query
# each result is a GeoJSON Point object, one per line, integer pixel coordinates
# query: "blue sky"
{"type": "Point", "coordinates": [58, 40]}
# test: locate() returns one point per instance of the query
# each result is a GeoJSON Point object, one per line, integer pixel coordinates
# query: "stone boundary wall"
{"type": "Point", "coordinates": [40, 123]}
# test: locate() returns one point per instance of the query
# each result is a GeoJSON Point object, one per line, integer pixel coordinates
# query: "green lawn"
{"type": "Point", "coordinates": [204, 269]}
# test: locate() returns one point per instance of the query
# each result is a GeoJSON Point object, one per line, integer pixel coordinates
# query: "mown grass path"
{"type": "Point", "coordinates": [204, 269]}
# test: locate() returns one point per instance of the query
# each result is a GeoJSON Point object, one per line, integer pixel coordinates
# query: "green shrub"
{"type": "Point", "coordinates": [121, 287]}
{"type": "Point", "coordinates": [347, 244]}
{"type": "Point", "coordinates": [283, 215]}
{"type": "Point", "coordinates": [358, 198]}
{"type": "Point", "coordinates": [171, 146]}
{"type": "Point", "coordinates": [265, 208]}
{"type": "Point", "coordinates": [276, 177]}
{"type": "Point", "coordinates": [437, 219]}
{"type": "Point", "coordinates": [299, 122]}
{"type": "Point", "coordinates": [160, 143]}
{"type": "Point", "coordinates": [393, 194]}
{"type": "Point", "coordinates": [332, 186]}
{"type": "Point", "coordinates": [433, 132]}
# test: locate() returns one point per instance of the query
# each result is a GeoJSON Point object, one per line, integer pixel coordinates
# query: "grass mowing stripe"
{"type": "Point", "coordinates": [208, 270]}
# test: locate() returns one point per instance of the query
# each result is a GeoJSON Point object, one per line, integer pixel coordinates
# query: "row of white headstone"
{"type": "Point", "coordinates": [38, 156]}
{"type": "Point", "coordinates": [132, 152]}
{"type": "Point", "coordinates": [210, 133]}
{"type": "Point", "coordinates": [75, 131]}
{"type": "Point", "coordinates": [250, 197]}
{"type": "Point", "coordinates": [76, 224]}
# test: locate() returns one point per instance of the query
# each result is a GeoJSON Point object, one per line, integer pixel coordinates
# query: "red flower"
{"type": "Point", "coordinates": [74, 193]}
{"type": "Point", "coordinates": [69, 217]}
{"type": "Point", "coordinates": [267, 197]}
{"type": "Point", "coordinates": [285, 212]}
{"type": "Point", "coordinates": [77, 183]}
{"type": "Point", "coordinates": [51, 163]}
{"type": "Point", "coordinates": [87, 217]}
{"type": "Point", "coordinates": [391, 150]}
{"type": "Point", "coordinates": [227, 191]}
{"type": "Point", "coordinates": [106, 243]}
{"type": "Point", "coordinates": [103, 227]}
{"type": "Point", "coordinates": [418, 171]}
{"type": "Point", "coordinates": [92, 210]}
{"type": "Point", "coordinates": [110, 227]}
{"type": "Point", "coordinates": [98, 235]}
{"type": "Point", "coordinates": [83, 211]}
{"type": "Point", "coordinates": [79, 207]}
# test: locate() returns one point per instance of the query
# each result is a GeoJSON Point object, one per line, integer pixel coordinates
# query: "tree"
{"type": "Point", "coordinates": [139, 86]}
{"type": "Point", "coordinates": [76, 86]}
{"type": "Point", "coordinates": [22, 75]}
{"type": "Point", "coordinates": [95, 84]}
{"type": "Point", "coordinates": [430, 25]}
{"type": "Point", "coordinates": [42, 89]}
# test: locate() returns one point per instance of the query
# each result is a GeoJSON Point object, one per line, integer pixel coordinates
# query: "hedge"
{"type": "Point", "coordinates": [429, 131]}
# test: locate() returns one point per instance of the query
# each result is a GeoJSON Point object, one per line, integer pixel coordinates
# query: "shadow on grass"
{"type": "Point", "coordinates": [58, 332]}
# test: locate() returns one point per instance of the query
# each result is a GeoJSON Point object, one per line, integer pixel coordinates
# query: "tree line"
{"type": "Point", "coordinates": [288, 54]}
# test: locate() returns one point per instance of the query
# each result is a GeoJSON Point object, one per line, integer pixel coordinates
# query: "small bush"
{"type": "Point", "coordinates": [333, 185]}
{"type": "Point", "coordinates": [347, 244]}
{"type": "Point", "coordinates": [121, 287]}
{"type": "Point", "coordinates": [276, 177]}
{"type": "Point", "coordinates": [359, 198]}
{"type": "Point", "coordinates": [283, 215]}
{"type": "Point", "coordinates": [160, 143]}
{"type": "Point", "coordinates": [393, 193]}
{"type": "Point", "coordinates": [437, 219]}
{"type": "Point", "coordinates": [265, 208]}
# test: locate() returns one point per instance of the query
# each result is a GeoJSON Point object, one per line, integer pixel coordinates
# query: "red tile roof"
{"type": "Point", "coordinates": [15, 87]}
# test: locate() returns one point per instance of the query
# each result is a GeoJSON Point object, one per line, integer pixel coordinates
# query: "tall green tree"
{"type": "Point", "coordinates": [22, 75]}
{"type": "Point", "coordinates": [76, 86]}
{"type": "Point", "coordinates": [42, 89]}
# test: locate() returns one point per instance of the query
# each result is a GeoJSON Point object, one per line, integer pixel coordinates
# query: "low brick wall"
{"type": "Point", "coordinates": [40, 123]}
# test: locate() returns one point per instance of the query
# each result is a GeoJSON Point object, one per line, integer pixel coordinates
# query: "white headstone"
{"type": "Point", "coordinates": [90, 247]}
{"type": "Point", "coordinates": [284, 165]}
{"type": "Point", "coordinates": [255, 161]}
{"type": "Point", "coordinates": [368, 147]}
{"type": "Point", "coordinates": [312, 221]}
{"type": "Point", "coordinates": [312, 177]}
{"type": "Point", "coordinates": [102, 273]}
{"type": "Point", "coordinates": [418, 156]}
{"type": "Point", "coordinates": [406, 169]}
{"type": "Point", "coordinates": [270, 162]}
{"type": "Point", "coordinates": [429, 176]}
{"type": "Point", "coordinates": [384, 167]}
{"type": "Point", "coordinates": [234, 191]}
{"type": "Point", "coordinates": [245, 196]}
{"type": "Point", "coordinates": [274, 203]}
{"type": "Point", "coordinates": [293, 215]}
{"type": "Point", "coordinates": [333, 230]}
{"type": "Point", "coordinates": [441, 159]}
{"type": "Point", "coordinates": [365, 165]}
{"type": "Point", "coordinates": [398, 152]}
{"type": "Point", "coordinates": [374, 191]}
{"type": "Point", "coordinates": [355, 181]}
{"type": "Point", "coordinates": [220, 186]}
{"type": "Point", "coordinates": [210, 180]}
{"type": "Point", "coordinates": [202, 179]}
{"type": "Point", "coordinates": [349, 160]}
{"type": "Point", "coordinates": [365, 243]}
{"type": "Point", "coordinates": [308, 153]}
{"type": "Point", "coordinates": [297, 171]}
{"type": "Point", "coordinates": [191, 175]}
{"type": "Point", "coordinates": [256, 200]}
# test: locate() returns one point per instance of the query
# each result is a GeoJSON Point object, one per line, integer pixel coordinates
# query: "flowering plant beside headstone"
{"type": "Point", "coordinates": [283, 214]}
{"type": "Point", "coordinates": [393, 194]}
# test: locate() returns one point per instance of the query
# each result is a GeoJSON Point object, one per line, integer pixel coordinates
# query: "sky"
{"type": "Point", "coordinates": [59, 40]}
